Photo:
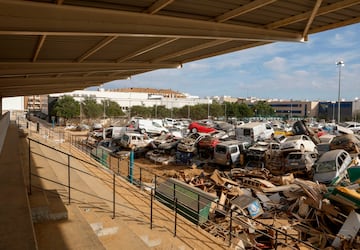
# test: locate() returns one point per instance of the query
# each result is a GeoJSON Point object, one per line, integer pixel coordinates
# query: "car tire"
{"type": "Point", "coordinates": [142, 131]}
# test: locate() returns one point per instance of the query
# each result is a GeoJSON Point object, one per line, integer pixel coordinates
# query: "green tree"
{"type": "Point", "coordinates": [161, 112]}
{"type": "Point", "coordinates": [112, 109]}
{"type": "Point", "coordinates": [145, 112]}
{"type": "Point", "coordinates": [262, 108]}
{"type": "Point", "coordinates": [92, 109]}
{"type": "Point", "coordinates": [244, 110]}
{"type": "Point", "coordinates": [66, 107]}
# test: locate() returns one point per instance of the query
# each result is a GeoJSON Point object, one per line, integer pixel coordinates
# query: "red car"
{"type": "Point", "coordinates": [197, 127]}
{"type": "Point", "coordinates": [208, 142]}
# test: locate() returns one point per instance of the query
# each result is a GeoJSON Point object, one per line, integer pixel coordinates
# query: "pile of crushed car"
{"type": "Point", "coordinates": [305, 179]}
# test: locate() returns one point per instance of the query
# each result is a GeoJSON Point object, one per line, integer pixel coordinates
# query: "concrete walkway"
{"type": "Point", "coordinates": [85, 223]}
{"type": "Point", "coordinates": [16, 231]}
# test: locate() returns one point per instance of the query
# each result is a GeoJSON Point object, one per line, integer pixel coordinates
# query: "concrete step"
{"type": "Point", "coordinates": [57, 209]}
{"type": "Point", "coordinates": [47, 205]}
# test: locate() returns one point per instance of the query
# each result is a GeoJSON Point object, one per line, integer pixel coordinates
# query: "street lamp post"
{"type": "Point", "coordinates": [104, 113]}
{"type": "Point", "coordinates": [333, 111]}
{"type": "Point", "coordinates": [339, 64]}
{"type": "Point", "coordinates": [355, 106]}
{"type": "Point", "coordinates": [208, 108]}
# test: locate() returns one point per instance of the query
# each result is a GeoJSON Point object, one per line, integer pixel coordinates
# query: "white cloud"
{"type": "Point", "coordinates": [276, 64]}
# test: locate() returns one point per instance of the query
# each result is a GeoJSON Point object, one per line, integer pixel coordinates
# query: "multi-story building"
{"type": "Point", "coordinates": [32, 103]}
{"type": "Point", "coordinates": [294, 108]}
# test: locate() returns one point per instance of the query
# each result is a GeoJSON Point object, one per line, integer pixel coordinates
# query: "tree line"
{"type": "Point", "coordinates": [68, 108]}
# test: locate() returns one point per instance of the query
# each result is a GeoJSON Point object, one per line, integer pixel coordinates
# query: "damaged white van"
{"type": "Point", "coordinates": [254, 131]}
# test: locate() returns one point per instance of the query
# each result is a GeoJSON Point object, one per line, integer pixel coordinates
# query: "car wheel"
{"type": "Point", "coordinates": [143, 131]}
{"type": "Point", "coordinates": [302, 148]}
{"type": "Point", "coordinates": [194, 130]}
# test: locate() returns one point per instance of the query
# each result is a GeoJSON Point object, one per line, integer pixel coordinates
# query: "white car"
{"type": "Point", "coordinates": [301, 143]}
{"type": "Point", "coordinates": [354, 126]}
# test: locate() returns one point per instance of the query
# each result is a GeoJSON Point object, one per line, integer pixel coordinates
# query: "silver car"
{"type": "Point", "coordinates": [332, 166]}
{"type": "Point", "coordinates": [230, 153]}
{"type": "Point", "coordinates": [300, 162]}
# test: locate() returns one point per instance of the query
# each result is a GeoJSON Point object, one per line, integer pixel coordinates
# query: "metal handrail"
{"type": "Point", "coordinates": [233, 215]}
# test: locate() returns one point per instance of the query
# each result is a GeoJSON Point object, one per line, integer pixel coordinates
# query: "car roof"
{"type": "Point", "coordinates": [331, 155]}
{"type": "Point", "coordinates": [231, 142]}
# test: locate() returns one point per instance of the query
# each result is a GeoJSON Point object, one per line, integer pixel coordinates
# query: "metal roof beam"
{"type": "Point", "coordinates": [322, 11]}
{"type": "Point", "coordinates": [49, 19]}
{"type": "Point", "coordinates": [31, 90]}
{"type": "Point", "coordinates": [233, 49]}
{"type": "Point", "coordinates": [190, 50]}
{"type": "Point", "coordinates": [11, 68]}
{"type": "Point", "coordinates": [96, 48]}
{"type": "Point", "coordinates": [39, 81]}
{"type": "Point", "coordinates": [157, 6]}
{"type": "Point", "coordinates": [147, 49]}
{"type": "Point", "coordinates": [335, 25]}
{"type": "Point", "coordinates": [311, 18]}
{"type": "Point", "coordinates": [38, 48]}
{"type": "Point", "coordinates": [243, 10]}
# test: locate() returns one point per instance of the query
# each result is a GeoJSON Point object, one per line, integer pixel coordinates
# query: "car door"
{"type": "Point", "coordinates": [235, 154]}
{"type": "Point", "coordinates": [343, 162]}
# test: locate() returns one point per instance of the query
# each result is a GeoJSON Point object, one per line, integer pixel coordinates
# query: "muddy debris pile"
{"type": "Point", "coordinates": [255, 205]}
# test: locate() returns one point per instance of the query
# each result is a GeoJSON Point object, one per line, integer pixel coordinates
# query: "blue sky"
{"type": "Point", "coordinates": [299, 71]}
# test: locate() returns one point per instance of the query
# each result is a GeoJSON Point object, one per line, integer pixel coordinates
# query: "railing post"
{"type": "Point", "coordinates": [109, 155]}
{"type": "Point", "coordinates": [151, 208]}
{"type": "Point", "coordinates": [174, 192]}
{"type": "Point", "coordinates": [69, 187]}
{"type": "Point", "coordinates": [102, 156]}
{"type": "Point", "coordinates": [140, 178]}
{"type": "Point", "coordinates": [30, 168]}
{"type": "Point", "coordinates": [155, 184]}
{"type": "Point", "coordinates": [230, 229]}
{"type": "Point", "coordinates": [198, 209]}
{"type": "Point", "coordinates": [113, 196]}
{"type": "Point", "coordinates": [175, 224]}
{"type": "Point", "coordinates": [118, 166]}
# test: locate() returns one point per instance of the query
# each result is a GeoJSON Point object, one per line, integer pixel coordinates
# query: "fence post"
{"type": "Point", "coordinates": [151, 208]}
{"type": "Point", "coordinates": [131, 165]}
{"type": "Point", "coordinates": [113, 196]}
{"type": "Point", "coordinates": [69, 187]}
{"type": "Point", "coordinates": [175, 207]}
{"type": "Point", "coordinates": [29, 168]}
